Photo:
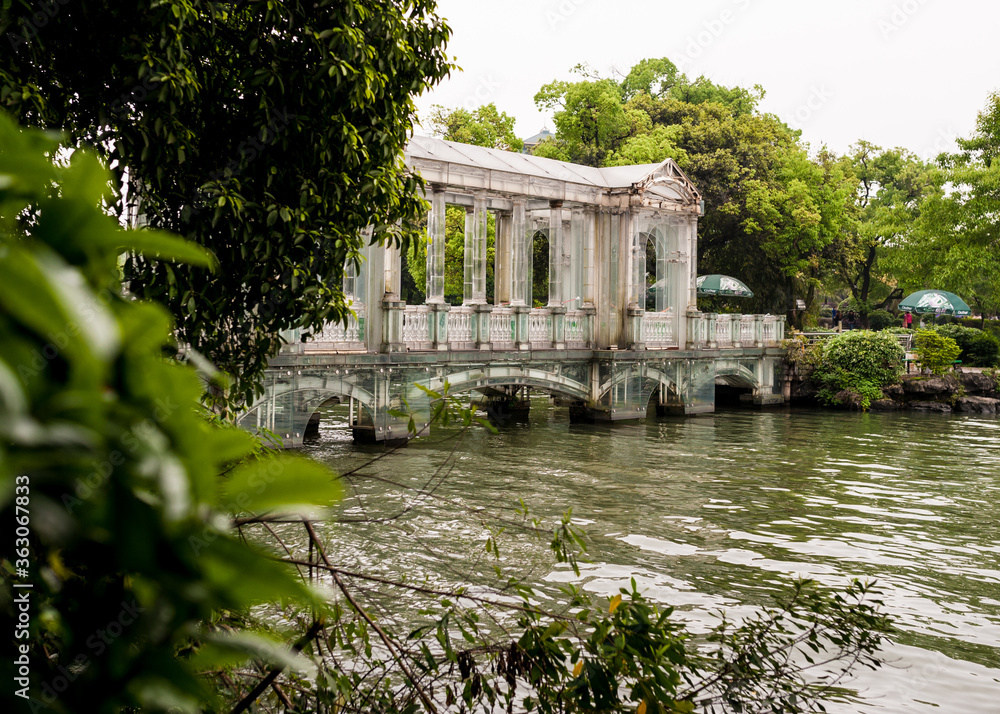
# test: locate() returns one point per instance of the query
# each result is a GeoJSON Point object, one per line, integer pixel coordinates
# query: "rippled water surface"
{"type": "Point", "coordinates": [713, 511]}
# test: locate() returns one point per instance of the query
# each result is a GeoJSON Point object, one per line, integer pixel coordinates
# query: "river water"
{"type": "Point", "coordinates": [713, 512]}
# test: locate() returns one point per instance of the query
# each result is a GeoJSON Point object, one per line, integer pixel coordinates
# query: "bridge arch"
{"type": "Point", "coordinates": [509, 376]}
{"type": "Point", "coordinates": [652, 378]}
{"type": "Point", "coordinates": [287, 409]}
{"type": "Point", "coordinates": [736, 375]}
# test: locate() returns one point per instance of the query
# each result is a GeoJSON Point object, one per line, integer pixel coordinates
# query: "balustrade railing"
{"type": "Point", "coordinates": [658, 330]}
{"type": "Point", "coordinates": [340, 337]}
{"type": "Point", "coordinates": [774, 330]}
{"type": "Point", "coordinates": [465, 325]}
{"type": "Point", "coordinates": [462, 327]}
{"type": "Point", "coordinates": [502, 328]}
{"type": "Point", "coordinates": [540, 327]}
{"type": "Point", "coordinates": [417, 325]}
{"type": "Point", "coordinates": [748, 336]}
{"type": "Point", "coordinates": [724, 337]}
{"type": "Point", "coordinates": [577, 329]}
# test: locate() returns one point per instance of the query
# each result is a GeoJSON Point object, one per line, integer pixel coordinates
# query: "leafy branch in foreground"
{"type": "Point", "coordinates": [404, 641]}
{"type": "Point", "coordinates": [518, 648]}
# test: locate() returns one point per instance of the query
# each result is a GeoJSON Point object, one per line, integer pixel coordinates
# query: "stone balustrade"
{"type": "Point", "coordinates": [478, 327]}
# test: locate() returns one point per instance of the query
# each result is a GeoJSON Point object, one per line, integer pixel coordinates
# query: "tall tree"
{"type": "Point", "coordinates": [958, 246]}
{"type": "Point", "coordinates": [269, 132]}
{"type": "Point", "coordinates": [892, 187]}
{"type": "Point", "coordinates": [483, 126]}
{"type": "Point", "coordinates": [772, 212]}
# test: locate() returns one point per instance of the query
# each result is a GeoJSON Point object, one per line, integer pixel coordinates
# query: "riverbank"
{"type": "Point", "coordinates": [969, 390]}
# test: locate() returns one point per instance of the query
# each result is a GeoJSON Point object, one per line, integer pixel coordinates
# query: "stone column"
{"type": "Point", "coordinates": [557, 271]}
{"type": "Point", "coordinates": [467, 268]}
{"type": "Point", "coordinates": [575, 259]}
{"type": "Point", "coordinates": [522, 341]}
{"type": "Point", "coordinates": [392, 271]}
{"type": "Point", "coordinates": [588, 285]}
{"type": "Point", "coordinates": [374, 291]}
{"type": "Point", "coordinates": [504, 261]}
{"type": "Point", "coordinates": [439, 331]}
{"type": "Point", "coordinates": [435, 247]}
{"type": "Point", "coordinates": [692, 236]}
{"type": "Point", "coordinates": [483, 326]}
{"type": "Point", "coordinates": [392, 326]}
{"type": "Point", "coordinates": [475, 252]}
{"type": "Point", "coordinates": [520, 292]}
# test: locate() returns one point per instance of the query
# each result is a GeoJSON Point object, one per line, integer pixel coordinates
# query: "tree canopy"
{"type": "Point", "coordinates": [270, 133]}
{"type": "Point", "coordinates": [958, 245]}
{"type": "Point", "coordinates": [772, 211]}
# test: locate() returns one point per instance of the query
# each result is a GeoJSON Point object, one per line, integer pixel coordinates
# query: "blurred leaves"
{"type": "Point", "coordinates": [121, 461]}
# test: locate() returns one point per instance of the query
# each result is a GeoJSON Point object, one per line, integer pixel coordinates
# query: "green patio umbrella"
{"type": "Point", "coordinates": [722, 285]}
{"type": "Point", "coordinates": [934, 302]}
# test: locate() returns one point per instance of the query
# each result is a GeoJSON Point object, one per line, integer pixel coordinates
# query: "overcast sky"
{"type": "Point", "coordinates": [911, 73]}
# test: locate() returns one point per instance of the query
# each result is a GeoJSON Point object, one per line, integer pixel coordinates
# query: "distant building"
{"type": "Point", "coordinates": [532, 141]}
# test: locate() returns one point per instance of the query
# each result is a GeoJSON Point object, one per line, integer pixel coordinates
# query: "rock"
{"type": "Point", "coordinates": [884, 405]}
{"type": "Point", "coordinates": [848, 399]}
{"type": "Point", "coordinates": [977, 405]}
{"type": "Point", "coordinates": [939, 407]}
{"type": "Point", "coordinates": [930, 385]}
{"type": "Point", "coordinates": [893, 391]}
{"type": "Point", "coordinates": [978, 383]}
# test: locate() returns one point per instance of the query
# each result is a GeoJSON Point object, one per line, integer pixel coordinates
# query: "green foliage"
{"type": "Point", "coordinates": [978, 348]}
{"type": "Point", "coordinates": [892, 186]}
{"type": "Point", "coordinates": [634, 654]}
{"type": "Point", "coordinates": [935, 351]}
{"type": "Point", "coordinates": [856, 365]}
{"type": "Point", "coordinates": [271, 133]}
{"type": "Point", "coordinates": [111, 465]}
{"type": "Point", "coordinates": [485, 126]}
{"type": "Point", "coordinates": [881, 319]}
{"type": "Point", "coordinates": [772, 211]}
{"type": "Point", "coordinates": [957, 246]}
{"type": "Point", "coordinates": [799, 351]}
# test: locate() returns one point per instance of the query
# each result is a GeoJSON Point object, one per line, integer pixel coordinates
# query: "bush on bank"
{"type": "Point", "coordinates": [854, 367]}
{"type": "Point", "coordinates": [978, 348]}
{"type": "Point", "coordinates": [936, 352]}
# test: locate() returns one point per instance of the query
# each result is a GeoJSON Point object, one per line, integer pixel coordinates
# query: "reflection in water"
{"type": "Point", "coordinates": [715, 511]}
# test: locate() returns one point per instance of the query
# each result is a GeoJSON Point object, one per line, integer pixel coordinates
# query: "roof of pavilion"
{"type": "Point", "coordinates": [467, 168]}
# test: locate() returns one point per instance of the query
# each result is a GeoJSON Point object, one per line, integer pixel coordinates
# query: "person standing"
{"type": "Point", "coordinates": [907, 320]}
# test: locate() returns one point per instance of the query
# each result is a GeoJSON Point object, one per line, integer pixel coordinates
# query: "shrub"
{"type": "Point", "coordinates": [881, 319]}
{"type": "Point", "coordinates": [856, 365]}
{"type": "Point", "coordinates": [980, 349]}
{"type": "Point", "coordinates": [936, 352]}
{"type": "Point", "coordinates": [984, 350]}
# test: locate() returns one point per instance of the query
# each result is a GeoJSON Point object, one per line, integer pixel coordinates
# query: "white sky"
{"type": "Point", "coordinates": [911, 73]}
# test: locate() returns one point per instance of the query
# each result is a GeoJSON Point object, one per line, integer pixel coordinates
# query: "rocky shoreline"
{"type": "Point", "coordinates": [966, 392]}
